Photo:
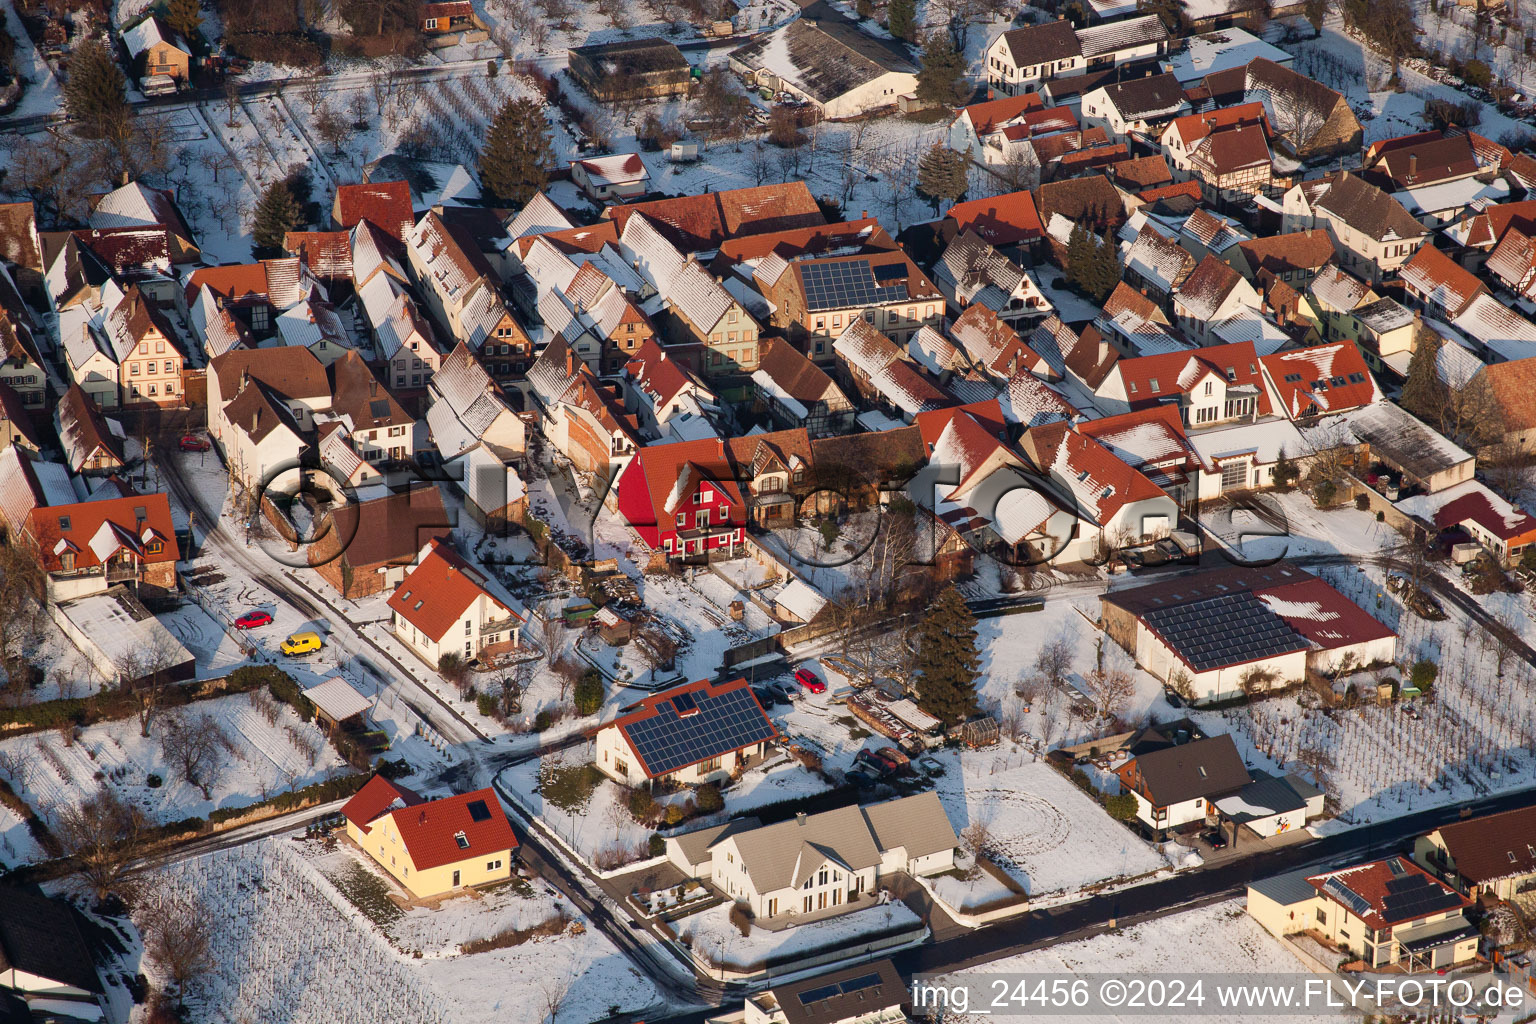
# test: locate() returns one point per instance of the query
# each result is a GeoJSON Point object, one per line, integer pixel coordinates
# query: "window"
{"type": "Point", "coordinates": [1208, 387]}
{"type": "Point", "coordinates": [67, 561]}
{"type": "Point", "coordinates": [468, 627]}
{"type": "Point", "coordinates": [493, 865]}
{"type": "Point", "coordinates": [1234, 474]}
{"type": "Point", "coordinates": [64, 522]}
{"type": "Point", "coordinates": [133, 368]}
{"type": "Point", "coordinates": [462, 840]}
{"type": "Point", "coordinates": [1322, 916]}
{"type": "Point", "coordinates": [154, 547]}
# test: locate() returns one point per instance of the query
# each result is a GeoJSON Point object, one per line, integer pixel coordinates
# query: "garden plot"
{"type": "Point", "coordinates": [586, 809]}
{"type": "Point", "coordinates": [1228, 940]}
{"type": "Point", "coordinates": [712, 936]}
{"type": "Point", "coordinates": [1046, 833]}
{"type": "Point", "coordinates": [971, 893]}
{"type": "Point", "coordinates": [43, 94]}
{"type": "Point", "coordinates": [1306, 529]}
{"type": "Point", "coordinates": [775, 780]}
{"type": "Point", "coordinates": [264, 758]}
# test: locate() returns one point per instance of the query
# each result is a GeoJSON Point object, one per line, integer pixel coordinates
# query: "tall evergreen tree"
{"type": "Point", "coordinates": [1424, 393]}
{"type": "Point", "coordinates": [1080, 253]}
{"type": "Point", "coordinates": [947, 662]}
{"type": "Point", "coordinates": [276, 214]}
{"type": "Point", "coordinates": [941, 82]}
{"type": "Point", "coordinates": [95, 92]}
{"type": "Point", "coordinates": [184, 16]}
{"type": "Point", "coordinates": [901, 19]}
{"type": "Point", "coordinates": [1105, 273]}
{"type": "Point", "coordinates": [941, 174]}
{"type": "Point", "coordinates": [517, 159]}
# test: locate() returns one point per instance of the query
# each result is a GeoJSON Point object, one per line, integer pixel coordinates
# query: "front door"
{"type": "Point", "coordinates": [455, 879]}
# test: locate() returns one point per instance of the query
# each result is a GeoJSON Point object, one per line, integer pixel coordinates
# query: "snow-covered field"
{"type": "Point", "coordinates": [267, 759]}
{"type": "Point", "coordinates": [285, 929]}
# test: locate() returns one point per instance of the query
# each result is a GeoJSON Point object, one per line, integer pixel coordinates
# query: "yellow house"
{"type": "Point", "coordinates": [161, 50]}
{"type": "Point", "coordinates": [432, 846]}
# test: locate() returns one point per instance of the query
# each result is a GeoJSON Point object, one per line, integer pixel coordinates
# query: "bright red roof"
{"type": "Point", "coordinates": [1320, 379]}
{"type": "Point", "coordinates": [1369, 882]}
{"type": "Point", "coordinates": [1182, 188]}
{"type": "Point", "coordinates": [1191, 128]}
{"type": "Point", "coordinates": [435, 594]}
{"type": "Point", "coordinates": [1510, 524]}
{"type": "Point", "coordinates": [987, 116]}
{"type": "Point", "coordinates": [988, 413]}
{"type": "Point", "coordinates": [661, 472]}
{"type": "Point", "coordinates": [454, 828]}
{"type": "Point", "coordinates": [377, 794]}
{"type": "Point", "coordinates": [95, 531]}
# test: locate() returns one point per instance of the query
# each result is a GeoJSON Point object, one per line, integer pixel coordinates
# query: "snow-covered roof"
{"type": "Point", "coordinates": [1395, 435]}
{"type": "Point", "coordinates": [149, 32]}
{"type": "Point", "coordinates": [1263, 440]}
{"type": "Point", "coordinates": [1221, 51]}
{"type": "Point", "coordinates": [1498, 328]}
{"type": "Point", "coordinates": [337, 698]}
{"type": "Point", "coordinates": [1451, 195]}
{"type": "Point", "coordinates": [801, 599]}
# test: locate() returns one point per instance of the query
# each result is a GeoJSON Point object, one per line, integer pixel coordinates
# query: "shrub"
{"type": "Point", "coordinates": [490, 69]}
{"type": "Point", "coordinates": [1084, 783]}
{"type": "Point", "coordinates": [642, 805]}
{"type": "Point", "coordinates": [674, 814]}
{"type": "Point", "coordinates": [486, 704]}
{"type": "Point", "coordinates": [543, 720]}
{"type": "Point", "coordinates": [1477, 74]}
{"type": "Point", "coordinates": [656, 845]}
{"type": "Point", "coordinates": [1423, 674]}
{"type": "Point", "coordinates": [1324, 491]}
{"type": "Point", "coordinates": [741, 917]}
{"type": "Point", "coordinates": [710, 799]}
{"type": "Point", "coordinates": [1363, 502]}
{"type": "Point", "coordinates": [1121, 807]}
{"type": "Point", "coordinates": [154, 782]}
{"type": "Point", "coordinates": [589, 692]}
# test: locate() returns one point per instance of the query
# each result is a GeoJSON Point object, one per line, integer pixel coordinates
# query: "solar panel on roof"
{"type": "Point", "coordinates": [684, 703]}
{"type": "Point", "coordinates": [891, 272]}
{"type": "Point", "coordinates": [1232, 629]}
{"type": "Point", "coordinates": [839, 988]}
{"type": "Point", "coordinates": [1347, 896]}
{"type": "Point", "coordinates": [478, 811]}
{"type": "Point", "coordinates": [847, 283]}
{"type": "Point", "coordinates": [378, 408]}
{"type": "Point", "coordinates": [669, 740]}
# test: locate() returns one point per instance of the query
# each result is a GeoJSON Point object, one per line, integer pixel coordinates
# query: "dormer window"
{"type": "Point", "coordinates": [462, 840]}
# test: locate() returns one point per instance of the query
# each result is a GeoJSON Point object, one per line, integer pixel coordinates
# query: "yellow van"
{"type": "Point", "coordinates": [302, 643]}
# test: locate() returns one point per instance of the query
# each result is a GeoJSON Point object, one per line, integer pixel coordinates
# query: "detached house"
{"type": "Point", "coordinates": [606, 178]}
{"type": "Point", "coordinates": [1210, 294]}
{"type": "Point", "coordinates": [139, 351]}
{"type": "Point", "coordinates": [972, 272]}
{"type": "Point", "coordinates": [1180, 784]}
{"type": "Point", "coordinates": [1387, 913]}
{"type": "Point", "coordinates": [157, 49]}
{"type": "Point", "coordinates": [1492, 855]}
{"type": "Point", "coordinates": [137, 205]}
{"type": "Point", "coordinates": [817, 299]}
{"type": "Point", "coordinates": [447, 606]}
{"type": "Point", "coordinates": [1438, 284]}
{"type": "Point", "coordinates": [1021, 59]}
{"type": "Point", "coordinates": [92, 442]}
{"type": "Point", "coordinates": [1211, 385]}
{"type": "Point", "coordinates": [814, 863]}
{"type": "Point", "coordinates": [1142, 107]}
{"type": "Point", "coordinates": [683, 499]}
{"type": "Point", "coordinates": [1310, 121]}
{"type": "Point", "coordinates": [432, 847]}
{"type": "Point", "coordinates": [692, 734]}
{"type": "Point", "coordinates": [384, 204]}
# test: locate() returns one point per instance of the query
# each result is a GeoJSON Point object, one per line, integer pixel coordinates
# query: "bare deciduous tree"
{"type": "Point", "coordinates": [1111, 689]}
{"type": "Point", "coordinates": [178, 940]}
{"type": "Point", "coordinates": [102, 836]}
{"type": "Point", "coordinates": [197, 748]}
{"type": "Point", "coordinates": [1055, 660]}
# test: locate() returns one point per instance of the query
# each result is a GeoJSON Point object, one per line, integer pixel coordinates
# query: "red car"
{"type": "Point", "coordinates": [193, 443]}
{"type": "Point", "coordinates": [806, 678]}
{"type": "Point", "coordinates": [250, 620]}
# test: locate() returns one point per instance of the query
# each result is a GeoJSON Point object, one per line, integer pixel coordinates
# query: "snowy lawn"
{"type": "Point", "coordinates": [265, 759]}
{"type": "Point", "coordinates": [711, 934]}
{"type": "Point", "coordinates": [584, 808]}
{"type": "Point", "coordinates": [1050, 836]}
{"type": "Point", "coordinates": [964, 893]}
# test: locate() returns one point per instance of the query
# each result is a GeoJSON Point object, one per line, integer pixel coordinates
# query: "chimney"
{"type": "Point", "coordinates": [799, 817]}
{"type": "Point", "coordinates": [570, 362]}
{"type": "Point", "coordinates": [1103, 350]}
{"type": "Point", "coordinates": [1413, 166]}
{"type": "Point", "coordinates": [373, 388]}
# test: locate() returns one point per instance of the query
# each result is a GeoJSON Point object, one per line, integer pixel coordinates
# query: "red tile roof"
{"type": "Point", "coordinates": [661, 468]}
{"type": "Point", "coordinates": [1369, 882]}
{"type": "Point", "coordinates": [374, 799]}
{"type": "Point", "coordinates": [1182, 188]}
{"type": "Point", "coordinates": [1440, 280]}
{"type": "Point", "coordinates": [588, 238]}
{"type": "Point", "coordinates": [1511, 524]}
{"type": "Point", "coordinates": [1493, 846]}
{"type": "Point", "coordinates": [866, 234]}
{"type": "Point", "coordinates": [651, 707]}
{"type": "Point", "coordinates": [384, 204]}
{"type": "Point", "coordinates": [985, 117]}
{"type": "Point", "coordinates": [1062, 447]}
{"type": "Point", "coordinates": [1000, 220]}
{"type": "Point", "coordinates": [435, 594]}
{"type": "Point", "coordinates": [1320, 379]}
{"type": "Point", "coordinates": [94, 531]}
{"type": "Point", "coordinates": [700, 222]}
{"type": "Point", "coordinates": [446, 831]}
{"type": "Point", "coordinates": [1152, 378]}
{"type": "Point", "coordinates": [1191, 128]}
{"type": "Point", "coordinates": [1323, 615]}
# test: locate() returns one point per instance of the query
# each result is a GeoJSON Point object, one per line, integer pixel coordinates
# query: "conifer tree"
{"type": "Point", "coordinates": [941, 175]}
{"type": "Point", "coordinates": [1080, 253]}
{"type": "Point", "coordinates": [941, 81]}
{"type": "Point", "coordinates": [184, 17]}
{"type": "Point", "coordinates": [1424, 393]}
{"type": "Point", "coordinates": [276, 214]}
{"type": "Point", "coordinates": [947, 662]}
{"type": "Point", "coordinates": [517, 159]}
{"type": "Point", "coordinates": [95, 92]}
{"type": "Point", "coordinates": [901, 19]}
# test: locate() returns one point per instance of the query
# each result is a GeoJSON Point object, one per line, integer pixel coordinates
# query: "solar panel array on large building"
{"type": "Point", "coordinates": [849, 284]}
{"type": "Point", "coordinates": [1233, 629]}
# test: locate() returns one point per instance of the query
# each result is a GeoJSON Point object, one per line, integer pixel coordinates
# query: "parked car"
{"type": "Point", "coordinates": [1214, 839]}
{"type": "Point", "coordinates": [194, 443]}
{"type": "Point", "coordinates": [806, 678]}
{"type": "Point", "coordinates": [305, 642]}
{"type": "Point", "coordinates": [765, 696]}
{"type": "Point", "coordinates": [250, 620]}
{"type": "Point", "coordinates": [874, 762]}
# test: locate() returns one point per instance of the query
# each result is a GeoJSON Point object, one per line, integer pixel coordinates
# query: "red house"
{"type": "Point", "coordinates": [683, 499]}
